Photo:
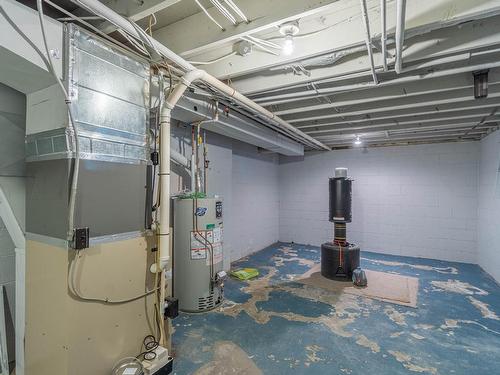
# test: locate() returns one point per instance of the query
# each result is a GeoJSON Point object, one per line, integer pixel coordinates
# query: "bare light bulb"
{"type": "Point", "coordinates": [357, 141]}
{"type": "Point", "coordinates": [288, 45]}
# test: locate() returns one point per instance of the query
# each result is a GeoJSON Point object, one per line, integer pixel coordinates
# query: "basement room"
{"type": "Point", "coordinates": [254, 187]}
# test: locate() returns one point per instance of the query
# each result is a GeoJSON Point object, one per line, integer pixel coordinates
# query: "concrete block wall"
{"type": "Point", "coordinates": [489, 205]}
{"type": "Point", "coordinates": [413, 200]}
{"type": "Point", "coordinates": [255, 200]}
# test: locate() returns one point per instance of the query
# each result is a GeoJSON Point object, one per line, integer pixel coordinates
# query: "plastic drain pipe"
{"type": "Point", "coordinates": [99, 9]}
{"type": "Point", "coordinates": [193, 74]}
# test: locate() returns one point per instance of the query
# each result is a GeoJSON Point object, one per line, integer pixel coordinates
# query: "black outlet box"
{"type": "Point", "coordinates": [81, 238]}
{"type": "Point", "coordinates": [172, 308]}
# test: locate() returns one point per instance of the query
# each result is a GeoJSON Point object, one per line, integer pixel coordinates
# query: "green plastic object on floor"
{"type": "Point", "coordinates": [245, 273]}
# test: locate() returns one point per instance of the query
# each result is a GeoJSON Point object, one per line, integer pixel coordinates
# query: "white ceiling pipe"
{"type": "Point", "coordinates": [102, 10]}
{"type": "Point", "coordinates": [408, 129]}
{"type": "Point", "coordinates": [208, 15]}
{"type": "Point", "coordinates": [434, 64]}
{"type": "Point", "coordinates": [395, 126]}
{"type": "Point", "coordinates": [237, 10]}
{"type": "Point", "coordinates": [224, 11]}
{"type": "Point", "coordinates": [383, 38]}
{"type": "Point", "coordinates": [400, 34]}
{"type": "Point", "coordinates": [368, 39]}
{"type": "Point", "coordinates": [291, 97]}
{"type": "Point", "coordinates": [396, 116]}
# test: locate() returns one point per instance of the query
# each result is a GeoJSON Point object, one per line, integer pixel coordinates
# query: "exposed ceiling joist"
{"type": "Point", "coordinates": [383, 140]}
{"type": "Point", "coordinates": [431, 110]}
{"type": "Point", "coordinates": [203, 35]}
{"type": "Point", "coordinates": [407, 134]}
{"type": "Point", "coordinates": [387, 121]}
{"type": "Point", "coordinates": [462, 121]}
{"type": "Point", "coordinates": [134, 10]}
{"type": "Point", "coordinates": [460, 97]}
{"type": "Point", "coordinates": [470, 38]}
{"type": "Point", "coordinates": [347, 31]}
{"type": "Point", "coordinates": [416, 89]}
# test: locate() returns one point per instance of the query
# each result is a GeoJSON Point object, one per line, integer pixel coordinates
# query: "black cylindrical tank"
{"type": "Point", "coordinates": [338, 262]}
{"type": "Point", "coordinates": [340, 200]}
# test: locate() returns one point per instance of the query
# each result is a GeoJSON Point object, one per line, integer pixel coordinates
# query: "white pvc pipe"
{"type": "Point", "coordinates": [368, 39]}
{"type": "Point", "coordinates": [102, 10]}
{"type": "Point", "coordinates": [383, 37]}
{"type": "Point", "coordinates": [296, 96]}
{"type": "Point", "coordinates": [400, 34]}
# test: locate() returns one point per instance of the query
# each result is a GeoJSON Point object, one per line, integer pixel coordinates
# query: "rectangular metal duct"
{"type": "Point", "coordinates": [235, 125]}
{"type": "Point", "coordinates": [109, 92]}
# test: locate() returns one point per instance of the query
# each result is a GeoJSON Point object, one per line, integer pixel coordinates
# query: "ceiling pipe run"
{"type": "Point", "coordinates": [400, 34]}
{"type": "Point", "coordinates": [368, 39]}
{"type": "Point", "coordinates": [383, 38]}
{"type": "Point", "coordinates": [96, 7]}
{"type": "Point", "coordinates": [296, 96]}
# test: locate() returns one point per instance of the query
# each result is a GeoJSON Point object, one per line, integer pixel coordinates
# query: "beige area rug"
{"type": "Point", "coordinates": [382, 286]}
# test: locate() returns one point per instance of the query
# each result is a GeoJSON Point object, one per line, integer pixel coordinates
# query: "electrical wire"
{"type": "Point", "coordinates": [259, 45]}
{"type": "Point", "coordinates": [25, 37]}
{"type": "Point", "coordinates": [150, 344]}
{"type": "Point", "coordinates": [213, 61]}
{"type": "Point", "coordinates": [209, 16]}
{"type": "Point", "coordinates": [149, 29]}
{"type": "Point", "coordinates": [237, 10]}
{"type": "Point", "coordinates": [76, 293]}
{"type": "Point", "coordinates": [90, 26]}
{"type": "Point", "coordinates": [264, 42]}
{"type": "Point", "coordinates": [141, 48]}
{"type": "Point", "coordinates": [76, 164]}
{"type": "Point", "coordinates": [224, 11]}
{"type": "Point", "coordinates": [74, 183]}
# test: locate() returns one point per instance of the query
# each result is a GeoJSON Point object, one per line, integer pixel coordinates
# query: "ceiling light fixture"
{"type": "Point", "coordinates": [288, 30]}
{"type": "Point", "coordinates": [358, 141]}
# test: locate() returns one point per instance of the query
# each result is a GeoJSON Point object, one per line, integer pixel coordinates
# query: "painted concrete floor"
{"type": "Point", "coordinates": [273, 325]}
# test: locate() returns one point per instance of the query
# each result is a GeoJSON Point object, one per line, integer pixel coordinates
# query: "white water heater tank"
{"type": "Point", "coordinates": [198, 253]}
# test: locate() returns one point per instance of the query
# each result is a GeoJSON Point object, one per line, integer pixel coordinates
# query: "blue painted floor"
{"type": "Point", "coordinates": [274, 325]}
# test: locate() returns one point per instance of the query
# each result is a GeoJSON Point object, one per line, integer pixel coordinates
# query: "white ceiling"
{"type": "Point", "coordinates": [325, 88]}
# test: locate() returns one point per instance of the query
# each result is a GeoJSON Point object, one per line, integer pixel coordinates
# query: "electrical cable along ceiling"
{"type": "Point", "coordinates": [374, 72]}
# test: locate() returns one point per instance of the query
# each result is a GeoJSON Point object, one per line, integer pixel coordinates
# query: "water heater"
{"type": "Point", "coordinates": [198, 252]}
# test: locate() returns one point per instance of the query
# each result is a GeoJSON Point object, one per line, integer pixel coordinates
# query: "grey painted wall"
{"type": "Point", "coordinates": [255, 200]}
{"type": "Point", "coordinates": [12, 170]}
{"type": "Point", "coordinates": [247, 180]}
{"type": "Point", "coordinates": [489, 205]}
{"type": "Point", "coordinates": [414, 200]}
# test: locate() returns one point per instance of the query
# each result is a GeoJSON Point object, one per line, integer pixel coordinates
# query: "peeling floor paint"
{"type": "Point", "coordinates": [484, 308]}
{"type": "Point", "coordinates": [457, 286]}
{"type": "Point", "coordinates": [406, 360]}
{"type": "Point", "coordinates": [364, 341]}
{"type": "Point", "coordinates": [282, 326]}
{"type": "Point", "coordinates": [229, 358]}
{"type": "Point", "coordinates": [447, 270]}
